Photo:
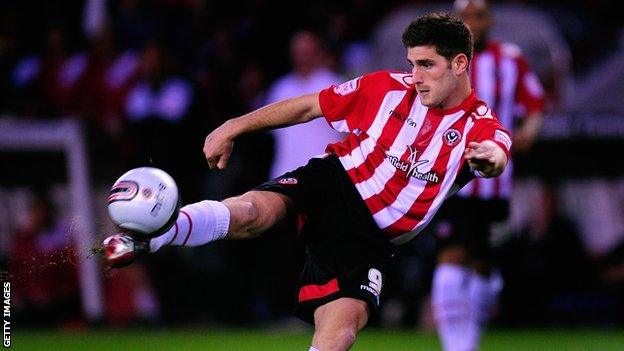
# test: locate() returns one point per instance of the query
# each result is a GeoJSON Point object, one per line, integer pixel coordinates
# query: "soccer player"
{"type": "Point", "coordinates": [414, 139]}
{"type": "Point", "coordinates": [463, 291]}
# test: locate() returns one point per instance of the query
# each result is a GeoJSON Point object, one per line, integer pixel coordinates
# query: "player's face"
{"type": "Point", "coordinates": [432, 75]}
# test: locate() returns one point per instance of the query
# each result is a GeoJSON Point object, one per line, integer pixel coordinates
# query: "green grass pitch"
{"type": "Point", "coordinates": [254, 339]}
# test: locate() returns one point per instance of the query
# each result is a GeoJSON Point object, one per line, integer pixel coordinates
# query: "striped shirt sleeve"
{"type": "Point", "coordinates": [344, 105]}
{"type": "Point", "coordinates": [491, 129]}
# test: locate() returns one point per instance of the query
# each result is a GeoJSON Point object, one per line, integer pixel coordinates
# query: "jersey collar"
{"type": "Point", "coordinates": [464, 105]}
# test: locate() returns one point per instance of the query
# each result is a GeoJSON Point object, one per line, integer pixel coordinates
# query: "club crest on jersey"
{"type": "Point", "coordinates": [287, 181]}
{"type": "Point", "coordinates": [347, 87]}
{"type": "Point", "coordinates": [451, 137]}
{"type": "Point", "coordinates": [411, 166]}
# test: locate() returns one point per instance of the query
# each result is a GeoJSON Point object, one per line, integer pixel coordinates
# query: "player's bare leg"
{"type": "Point", "coordinates": [337, 323]}
{"type": "Point", "coordinates": [254, 212]}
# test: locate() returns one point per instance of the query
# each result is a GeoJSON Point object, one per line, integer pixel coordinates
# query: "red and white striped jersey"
{"type": "Point", "coordinates": [404, 158]}
{"type": "Point", "coordinates": [502, 77]}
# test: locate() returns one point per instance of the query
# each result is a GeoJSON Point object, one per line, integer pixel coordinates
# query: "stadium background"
{"type": "Point", "coordinates": [73, 67]}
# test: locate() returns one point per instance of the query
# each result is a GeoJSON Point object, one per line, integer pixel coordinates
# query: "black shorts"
{"type": "Point", "coordinates": [348, 255]}
{"type": "Point", "coordinates": [473, 223]}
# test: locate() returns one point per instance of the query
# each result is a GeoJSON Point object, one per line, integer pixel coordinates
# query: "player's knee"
{"type": "Point", "coordinates": [244, 217]}
{"type": "Point", "coordinates": [336, 339]}
{"type": "Point", "coordinates": [346, 336]}
{"type": "Point", "coordinates": [337, 323]}
{"type": "Point", "coordinates": [250, 218]}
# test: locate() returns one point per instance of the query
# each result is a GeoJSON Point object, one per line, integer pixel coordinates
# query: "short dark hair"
{"type": "Point", "coordinates": [446, 32]}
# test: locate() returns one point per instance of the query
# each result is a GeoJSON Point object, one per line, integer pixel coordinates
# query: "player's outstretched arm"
{"type": "Point", "coordinates": [219, 144]}
{"type": "Point", "coordinates": [486, 157]}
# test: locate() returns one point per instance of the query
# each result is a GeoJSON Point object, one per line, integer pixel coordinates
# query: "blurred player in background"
{"type": "Point", "coordinates": [414, 140]}
{"type": "Point", "coordinates": [463, 289]}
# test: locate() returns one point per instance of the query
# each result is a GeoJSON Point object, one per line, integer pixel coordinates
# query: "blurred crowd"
{"type": "Point", "coordinates": [149, 79]}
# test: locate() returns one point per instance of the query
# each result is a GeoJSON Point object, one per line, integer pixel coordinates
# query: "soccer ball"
{"type": "Point", "coordinates": [144, 201]}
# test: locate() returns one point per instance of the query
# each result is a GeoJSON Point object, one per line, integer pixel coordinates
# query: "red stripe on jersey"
{"type": "Point", "coordinates": [372, 104]}
{"type": "Point", "coordinates": [391, 190]}
{"type": "Point", "coordinates": [423, 203]}
{"type": "Point", "coordinates": [312, 291]}
{"type": "Point", "coordinates": [388, 134]}
{"type": "Point", "coordinates": [400, 180]}
{"type": "Point", "coordinates": [367, 169]}
{"type": "Point", "coordinates": [345, 147]}
{"type": "Point", "coordinates": [371, 111]}
{"type": "Point", "coordinates": [394, 124]}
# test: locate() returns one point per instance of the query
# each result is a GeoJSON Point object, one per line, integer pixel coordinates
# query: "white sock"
{"type": "Point", "coordinates": [197, 224]}
{"type": "Point", "coordinates": [480, 298]}
{"type": "Point", "coordinates": [484, 294]}
{"type": "Point", "coordinates": [450, 297]}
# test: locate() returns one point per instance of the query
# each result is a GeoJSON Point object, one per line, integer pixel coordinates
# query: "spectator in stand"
{"type": "Point", "coordinates": [56, 90]}
{"type": "Point", "coordinates": [161, 106]}
{"type": "Point", "coordinates": [42, 83]}
{"type": "Point", "coordinates": [42, 263]}
{"type": "Point", "coordinates": [309, 74]}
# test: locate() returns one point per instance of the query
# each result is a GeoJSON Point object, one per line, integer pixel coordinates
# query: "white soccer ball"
{"type": "Point", "coordinates": [144, 201]}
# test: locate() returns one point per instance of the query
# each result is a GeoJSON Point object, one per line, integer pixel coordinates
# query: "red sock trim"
{"type": "Point", "coordinates": [188, 235]}
{"type": "Point", "coordinates": [174, 235]}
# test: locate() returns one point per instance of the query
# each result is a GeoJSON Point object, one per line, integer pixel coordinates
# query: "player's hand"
{"type": "Point", "coordinates": [486, 157]}
{"type": "Point", "coordinates": [218, 147]}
